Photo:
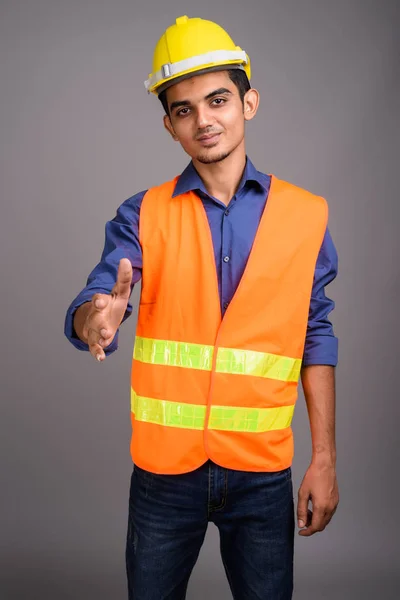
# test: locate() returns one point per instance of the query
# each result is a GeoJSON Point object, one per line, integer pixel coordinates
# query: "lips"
{"type": "Point", "coordinates": [209, 138]}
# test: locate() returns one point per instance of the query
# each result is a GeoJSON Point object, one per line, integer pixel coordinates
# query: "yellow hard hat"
{"type": "Point", "coordinates": [193, 46]}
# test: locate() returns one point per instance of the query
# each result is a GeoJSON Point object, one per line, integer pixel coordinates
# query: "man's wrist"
{"type": "Point", "coordinates": [323, 456]}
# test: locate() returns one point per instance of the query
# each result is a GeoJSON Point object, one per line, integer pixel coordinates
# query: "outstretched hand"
{"type": "Point", "coordinates": [107, 311]}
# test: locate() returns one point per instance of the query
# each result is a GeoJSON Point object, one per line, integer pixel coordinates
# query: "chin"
{"type": "Point", "coordinates": [208, 158]}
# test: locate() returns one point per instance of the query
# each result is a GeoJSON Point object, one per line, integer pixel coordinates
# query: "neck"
{"type": "Point", "coordinates": [221, 179]}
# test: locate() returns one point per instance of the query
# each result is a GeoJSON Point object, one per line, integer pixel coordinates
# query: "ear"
{"type": "Point", "coordinates": [169, 128]}
{"type": "Point", "coordinates": [251, 101]}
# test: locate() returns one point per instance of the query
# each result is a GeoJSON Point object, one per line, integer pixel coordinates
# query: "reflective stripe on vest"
{"type": "Point", "coordinates": [224, 418]}
{"type": "Point", "coordinates": [229, 360]}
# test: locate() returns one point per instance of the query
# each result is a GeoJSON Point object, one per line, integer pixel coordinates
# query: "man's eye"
{"type": "Point", "coordinates": [182, 112]}
{"type": "Point", "coordinates": [219, 101]}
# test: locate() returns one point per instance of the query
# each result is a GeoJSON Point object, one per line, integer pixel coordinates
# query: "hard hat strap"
{"type": "Point", "coordinates": [172, 69]}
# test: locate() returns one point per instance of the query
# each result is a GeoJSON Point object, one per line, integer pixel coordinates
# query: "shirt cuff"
{"type": "Point", "coordinates": [321, 350]}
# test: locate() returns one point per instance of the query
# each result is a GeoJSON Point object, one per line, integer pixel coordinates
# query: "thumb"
{"type": "Point", "coordinates": [124, 279]}
{"type": "Point", "coordinates": [302, 507]}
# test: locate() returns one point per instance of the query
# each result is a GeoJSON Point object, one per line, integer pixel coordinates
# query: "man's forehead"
{"type": "Point", "coordinates": [199, 86]}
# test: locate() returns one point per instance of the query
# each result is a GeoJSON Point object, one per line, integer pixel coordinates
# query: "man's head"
{"type": "Point", "coordinates": [203, 81]}
{"type": "Point", "coordinates": [206, 113]}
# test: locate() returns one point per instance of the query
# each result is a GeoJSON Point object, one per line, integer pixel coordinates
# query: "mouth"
{"type": "Point", "coordinates": [209, 139]}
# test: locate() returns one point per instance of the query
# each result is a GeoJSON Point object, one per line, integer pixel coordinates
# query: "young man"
{"type": "Point", "coordinates": [232, 312]}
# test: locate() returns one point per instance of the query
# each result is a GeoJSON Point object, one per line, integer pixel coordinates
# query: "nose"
{"type": "Point", "coordinates": [204, 117]}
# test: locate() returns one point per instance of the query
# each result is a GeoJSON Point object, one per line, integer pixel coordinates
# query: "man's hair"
{"type": "Point", "coordinates": [238, 76]}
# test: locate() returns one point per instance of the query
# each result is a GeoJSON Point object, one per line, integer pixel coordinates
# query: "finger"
{"type": "Point", "coordinates": [316, 523]}
{"type": "Point", "coordinates": [318, 518]}
{"type": "Point", "coordinates": [95, 348]}
{"type": "Point", "coordinates": [100, 301]}
{"type": "Point", "coordinates": [105, 333]}
{"type": "Point", "coordinates": [97, 352]}
{"type": "Point", "coordinates": [102, 338]}
{"type": "Point", "coordinates": [309, 517]}
{"type": "Point", "coordinates": [302, 506]}
{"type": "Point", "coordinates": [306, 530]}
{"type": "Point", "coordinates": [105, 342]}
{"type": "Point", "coordinates": [124, 279]}
{"type": "Point", "coordinates": [328, 516]}
{"type": "Point", "coordinates": [328, 519]}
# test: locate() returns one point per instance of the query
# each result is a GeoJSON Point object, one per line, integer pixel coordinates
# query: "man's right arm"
{"type": "Point", "coordinates": [121, 241]}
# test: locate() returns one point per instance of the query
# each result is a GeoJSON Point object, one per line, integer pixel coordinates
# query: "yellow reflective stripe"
{"type": "Point", "coordinates": [259, 364]}
{"type": "Point", "coordinates": [254, 420]}
{"type": "Point", "coordinates": [223, 418]}
{"type": "Point", "coordinates": [229, 360]}
{"type": "Point", "coordinates": [164, 412]}
{"type": "Point", "coordinates": [174, 354]}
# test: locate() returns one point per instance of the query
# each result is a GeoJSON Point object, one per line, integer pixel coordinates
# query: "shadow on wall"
{"type": "Point", "coordinates": [59, 581]}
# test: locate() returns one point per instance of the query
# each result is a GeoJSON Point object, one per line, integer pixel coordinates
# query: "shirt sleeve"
{"type": "Point", "coordinates": [321, 345]}
{"type": "Point", "coordinates": [121, 241]}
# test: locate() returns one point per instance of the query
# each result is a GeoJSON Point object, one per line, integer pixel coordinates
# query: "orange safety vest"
{"type": "Point", "coordinates": [203, 386]}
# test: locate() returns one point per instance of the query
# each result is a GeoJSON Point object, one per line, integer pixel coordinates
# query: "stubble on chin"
{"type": "Point", "coordinates": [208, 159]}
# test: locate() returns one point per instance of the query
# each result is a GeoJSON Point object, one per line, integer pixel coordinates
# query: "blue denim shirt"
{"type": "Point", "coordinates": [233, 229]}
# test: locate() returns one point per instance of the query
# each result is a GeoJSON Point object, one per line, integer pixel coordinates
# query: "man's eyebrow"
{"type": "Point", "coordinates": [179, 103]}
{"type": "Point", "coordinates": [218, 92]}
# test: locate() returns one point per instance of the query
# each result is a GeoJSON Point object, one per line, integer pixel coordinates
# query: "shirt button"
{"type": "Point", "coordinates": [226, 258]}
{"type": "Point", "coordinates": [227, 212]}
{"type": "Point", "coordinates": [226, 304]}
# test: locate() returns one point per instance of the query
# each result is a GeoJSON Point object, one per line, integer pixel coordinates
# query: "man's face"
{"type": "Point", "coordinates": [207, 116]}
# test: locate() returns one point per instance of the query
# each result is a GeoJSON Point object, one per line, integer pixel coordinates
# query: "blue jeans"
{"type": "Point", "coordinates": [168, 519]}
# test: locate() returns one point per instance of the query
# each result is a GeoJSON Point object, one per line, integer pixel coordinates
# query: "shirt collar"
{"type": "Point", "coordinates": [190, 180]}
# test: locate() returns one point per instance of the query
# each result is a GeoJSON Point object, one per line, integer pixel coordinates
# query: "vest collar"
{"type": "Point", "coordinates": [190, 180]}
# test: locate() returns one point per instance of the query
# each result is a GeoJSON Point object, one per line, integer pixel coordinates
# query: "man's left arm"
{"type": "Point", "coordinates": [319, 484]}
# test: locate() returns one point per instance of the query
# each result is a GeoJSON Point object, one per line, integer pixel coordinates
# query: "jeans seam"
{"type": "Point", "coordinates": [223, 501]}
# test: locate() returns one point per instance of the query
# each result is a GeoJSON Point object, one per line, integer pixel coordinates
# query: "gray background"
{"type": "Point", "coordinates": [79, 135]}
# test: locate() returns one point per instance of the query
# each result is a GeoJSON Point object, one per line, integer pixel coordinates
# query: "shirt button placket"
{"type": "Point", "coordinates": [226, 260]}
